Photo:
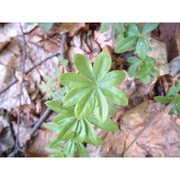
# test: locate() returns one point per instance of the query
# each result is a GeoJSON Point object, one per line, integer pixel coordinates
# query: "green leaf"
{"type": "Point", "coordinates": [46, 26]}
{"type": "Point", "coordinates": [54, 144]}
{"type": "Point", "coordinates": [132, 29]}
{"type": "Point", "coordinates": [63, 119]}
{"type": "Point", "coordinates": [132, 69]}
{"type": "Point", "coordinates": [112, 109]}
{"type": "Point", "coordinates": [53, 127]}
{"type": "Point", "coordinates": [113, 78]}
{"type": "Point", "coordinates": [73, 80]}
{"type": "Point", "coordinates": [84, 66]}
{"type": "Point", "coordinates": [144, 77]}
{"type": "Point", "coordinates": [125, 44]}
{"type": "Point", "coordinates": [73, 96]}
{"type": "Point", "coordinates": [91, 136]}
{"type": "Point", "coordinates": [120, 28]}
{"type": "Point", "coordinates": [101, 108]}
{"type": "Point", "coordinates": [69, 148]}
{"type": "Point", "coordinates": [104, 27]}
{"type": "Point", "coordinates": [115, 95]}
{"type": "Point", "coordinates": [66, 132]}
{"type": "Point", "coordinates": [177, 107]}
{"type": "Point", "coordinates": [55, 152]}
{"type": "Point", "coordinates": [173, 91]}
{"type": "Point", "coordinates": [80, 132]}
{"type": "Point", "coordinates": [81, 150]}
{"type": "Point", "coordinates": [174, 110]}
{"type": "Point", "coordinates": [154, 72]}
{"type": "Point", "coordinates": [177, 99]}
{"type": "Point", "coordinates": [148, 27]}
{"type": "Point", "coordinates": [107, 125]}
{"type": "Point", "coordinates": [102, 64]}
{"type": "Point", "coordinates": [85, 106]}
{"type": "Point", "coordinates": [141, 48]}
{"type": "Point", "coordinates": [150, 62]}
{"type": "Point", "coordinates": [133, 60]}
{"type": "Point", "coordinates": [58, 107]}
{"type": "Point", "coordinates": [163, 99]}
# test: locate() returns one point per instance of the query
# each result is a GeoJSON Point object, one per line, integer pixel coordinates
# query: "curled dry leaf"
{"type": "Point", "coordinates": [146, 130]}
{"type": "Point", "coordinates": [72, 28]}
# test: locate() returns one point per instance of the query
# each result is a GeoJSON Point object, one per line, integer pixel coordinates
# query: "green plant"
{"type": "Point", "coordinates": [116, 28]}
{"type": "Point", "coordinates": [134, 37]}
{"type": "Point", "coordinates": [85, 105]}
{"type": "Point", "coordinates": [50, 87]}
{"type": "Point", "coordinates": [173, 97]}
{"type": "Point", "coordinates": [142, 69]}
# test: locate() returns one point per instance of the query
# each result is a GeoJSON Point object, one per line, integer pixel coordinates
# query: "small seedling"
{"type": "Point", "coordinates": [173, 97]}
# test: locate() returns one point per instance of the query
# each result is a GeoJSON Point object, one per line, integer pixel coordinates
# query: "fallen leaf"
{"type": "Point", "coordinates": [146, 130]}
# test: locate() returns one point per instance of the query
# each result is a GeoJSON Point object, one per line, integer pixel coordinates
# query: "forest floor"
{"type": "Point", "coordinates": [29, 55]}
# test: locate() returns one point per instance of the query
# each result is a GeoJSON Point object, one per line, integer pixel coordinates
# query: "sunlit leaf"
{"type": "Point", "coordinates": [91, 136]}
{"type": "Point", "coordinates": [132, 29]}
{"type": "Point", "coordinates": [85, 106]}
{"type": "Point", "coordinates": [125, 44]}
{"type": "Point", "coordinates": [163, 99]}
{"type": "Point", "coordinates": [73, 80]}
{"type": "Point", "coordinates": [69, 148]}
{"type": "Point", "coordinates": [84, 66]}
{"type": "Point", "coordinates": [82, 151]}
{"type": "Point", "coordinates": [108, 124]}
{"type": "Point", "coordinates": [141, 48]}
{"type": "Point", "coordinates": [115, 95]}
{"type": "Point", "coordinates": [113, 78]}
{"type": "Point", "coordinates": [76, 95]}
{"type": "Point", "coordinates": [53, 127]}
{"type": "Point", "coordinates": [101, 108]}
{"type": "Point", "coordinates": [148, 27]}
{"type": "Point", "coordinates": [104, 27]}
{"type": "Point", "coordinates": [80, 132]}
{"type": "Point", "coordinates": [102, 64]}
{"type": "Point", "coordinates": [58, 107]}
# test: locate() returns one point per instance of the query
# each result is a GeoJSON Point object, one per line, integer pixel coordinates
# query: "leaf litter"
{"type": "Point", "coordinates": [160, 137]}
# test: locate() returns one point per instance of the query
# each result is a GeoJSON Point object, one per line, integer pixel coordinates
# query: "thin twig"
{"type": "Point", "coordinates": [46, 113]}
{"type": "Point", "coordinates": [21, 85]}
{"type": "Point", "coordinates": [28, 71]}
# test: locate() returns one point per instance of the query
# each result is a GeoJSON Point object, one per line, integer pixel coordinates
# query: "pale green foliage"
{"type": "Point", "coordinates": [91, 89]}
{"type": "Point", "coordinates": [49, 87]}
{"type": "Point", "coordinates": [134, 36]}
{"type": "Point", "coordinates": [85, 105]}
{"type": "Point", "coordinates": [172, 97]}
{"type": "Point", "coordinates": [142, 69]}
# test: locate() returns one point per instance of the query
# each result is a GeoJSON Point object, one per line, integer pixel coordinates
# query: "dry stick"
{"type": "Point", "coordinates": [46, 113]}
{"type": "Point", "coordinates": [21, 86]}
